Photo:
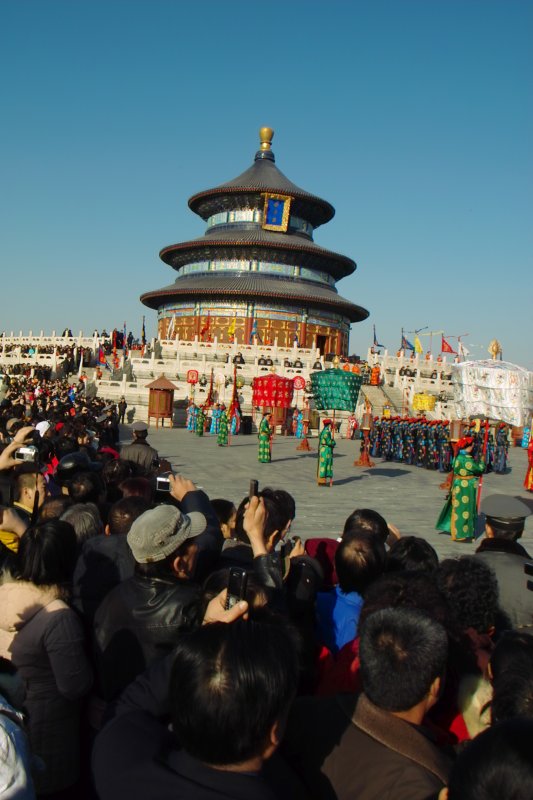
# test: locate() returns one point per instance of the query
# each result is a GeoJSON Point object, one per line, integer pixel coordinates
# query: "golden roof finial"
{"type": "Point", "coordinates": [265, 137]}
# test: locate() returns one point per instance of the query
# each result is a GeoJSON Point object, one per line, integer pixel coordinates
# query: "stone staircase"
{"type": "Point", "coordinates": [378, 397]}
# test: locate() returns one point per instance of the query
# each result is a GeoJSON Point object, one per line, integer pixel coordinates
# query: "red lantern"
{"type": "Point", "coordinates": [299, 383]}
{"type": "Point", "coordinates": [192, 376]}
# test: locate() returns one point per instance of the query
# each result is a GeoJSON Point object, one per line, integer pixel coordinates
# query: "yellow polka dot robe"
{"type": "Point", "coordinates": [459, 514]}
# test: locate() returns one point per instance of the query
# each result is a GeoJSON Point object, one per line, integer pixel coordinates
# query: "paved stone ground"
{"type": "Point", "coordinates": [407, 496]}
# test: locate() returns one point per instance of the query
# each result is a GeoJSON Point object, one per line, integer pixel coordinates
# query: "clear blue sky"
{"type": "Point", "coordinates": [414, 118]}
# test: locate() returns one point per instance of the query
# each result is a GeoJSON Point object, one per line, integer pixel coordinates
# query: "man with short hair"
{"type": "Point", "coordinates": [141, 618]}
{"type": "Point", "coordinates": [230, 692]}
{"type": "Point", "coordinates": [374, 744]}
{"type": "Point", "coordinates": [505, 519]}
{"type": "Point", "coordinates": [144, 458]}
{"type": "Point", "coordinates": [29, 484]}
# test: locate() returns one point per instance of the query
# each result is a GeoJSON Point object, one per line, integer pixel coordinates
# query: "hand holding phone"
{"type": "Point", "coordinates": [237, 583]}
{"type": "Point", "coordinates": [254, 488]}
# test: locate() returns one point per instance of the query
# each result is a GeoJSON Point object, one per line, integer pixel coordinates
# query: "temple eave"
{"type": "Point", "coordinates": [335, 264]}
{"type": "Point", "coordinates": [353, 312]}
{"type": "Point", "coordinates": [206, 203]}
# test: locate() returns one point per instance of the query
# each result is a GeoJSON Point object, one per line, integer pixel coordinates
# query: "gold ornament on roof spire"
{"type": "Point", "coordinates": [495, 349]}
{"type": "Point", "coordinates": [265, 137]}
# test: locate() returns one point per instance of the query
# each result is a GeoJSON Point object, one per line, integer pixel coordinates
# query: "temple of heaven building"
{"type": "Point", "coordinates": [256, 274]}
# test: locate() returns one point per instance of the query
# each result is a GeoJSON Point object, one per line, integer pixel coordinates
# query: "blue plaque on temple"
{"type": "Point", "coordinates": [276, 212]}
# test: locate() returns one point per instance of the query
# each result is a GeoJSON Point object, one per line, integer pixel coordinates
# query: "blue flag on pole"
{"type": "Point", "coordinates": [406, 344]}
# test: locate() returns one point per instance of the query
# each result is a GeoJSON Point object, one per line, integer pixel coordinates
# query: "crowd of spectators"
{"type": "Point", "coordinates": [158, 643]}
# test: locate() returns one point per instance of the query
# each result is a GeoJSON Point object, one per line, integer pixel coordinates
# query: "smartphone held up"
{"type": "Point", "coordinates": [236, 588]}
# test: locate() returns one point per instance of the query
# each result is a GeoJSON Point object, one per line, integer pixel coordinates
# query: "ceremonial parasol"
{"type": "Point", "coordinates": [335, 390]}
{"type": "Point", "coordinates": [272, 391]}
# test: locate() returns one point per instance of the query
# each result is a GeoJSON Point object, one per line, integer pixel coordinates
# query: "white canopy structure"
{"type": "Point", "coordinates": [495, 389]}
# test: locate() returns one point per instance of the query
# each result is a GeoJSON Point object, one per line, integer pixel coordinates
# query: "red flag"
{"type": "Point", "coordinates": [234, 397]}
{"type": "Point", "coordinates": [209, 402]}
{"type": "Point", "coordinates": [446, 347]}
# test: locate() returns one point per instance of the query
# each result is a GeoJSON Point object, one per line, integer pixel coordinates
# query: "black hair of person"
{"type": "Point", "coordinates": [359, 560]}
{"type": "Point", "coordinates": [230, 685]}
{"type": "Point", "coordinates": [402, 651]}
{"type": "Point", "coordinates": [411, 553]}
{"type": "Point", "coordinates": [496, 764]}
{"type": "Point", "coordinates": [47, 553]}
{"type": "Point", "coordinates": [366, 519]}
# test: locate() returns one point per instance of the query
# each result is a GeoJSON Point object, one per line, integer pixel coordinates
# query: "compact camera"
{"type": "Point", "coordinates": [27, 453]}
{"type": "Point", "coordinates": [162, 483]}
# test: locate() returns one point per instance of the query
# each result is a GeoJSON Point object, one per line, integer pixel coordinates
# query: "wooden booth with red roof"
{"type": "Point", "coordinates": [161, 401]}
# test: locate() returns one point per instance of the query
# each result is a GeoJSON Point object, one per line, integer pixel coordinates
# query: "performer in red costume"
{"type": "Point", "coordinates": [528, 483]}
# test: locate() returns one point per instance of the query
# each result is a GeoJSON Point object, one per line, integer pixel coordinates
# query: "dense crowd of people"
{"type": "Point", "coordinates": [155, 642]}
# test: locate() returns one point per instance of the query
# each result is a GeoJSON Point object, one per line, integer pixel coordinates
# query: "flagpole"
{"type": "Point", "coordinates": [483, 455]}
{"type": "Point", "coordinates": [233, 399]}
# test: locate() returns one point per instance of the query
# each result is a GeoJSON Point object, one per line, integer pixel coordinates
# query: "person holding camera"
{"type": "Point", "coordinates": [140, 619]}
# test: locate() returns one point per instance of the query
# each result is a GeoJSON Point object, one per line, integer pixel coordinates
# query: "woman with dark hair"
{"type": "Point", "coordinates": [43, 638]}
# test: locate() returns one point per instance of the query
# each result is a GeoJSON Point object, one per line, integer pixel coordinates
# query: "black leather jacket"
{"type": "Point", "coordinates": [140, 619]}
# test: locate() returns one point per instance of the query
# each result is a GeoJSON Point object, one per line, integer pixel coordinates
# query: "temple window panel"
{"type": "Point", "coordinates": [253, 265]}
{"type": "Point", "coordinates": [237, 215]}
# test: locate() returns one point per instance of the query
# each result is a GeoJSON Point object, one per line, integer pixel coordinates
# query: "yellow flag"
{"type": "Point", "coordinates": [418, 345]}
{"type": "Point", "coordinates": [231, 328]}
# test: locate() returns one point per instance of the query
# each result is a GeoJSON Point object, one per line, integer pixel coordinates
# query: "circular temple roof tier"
{"type": "Point", "coordinates": [256, 243]}
{"type": "Point", "coordinates": [255, 286]}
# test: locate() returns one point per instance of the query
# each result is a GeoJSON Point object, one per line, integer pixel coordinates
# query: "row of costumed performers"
{"type": "Point", "coordinates": [427, 443]}
{"type": "Point", "coordinates": [216, 420]}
